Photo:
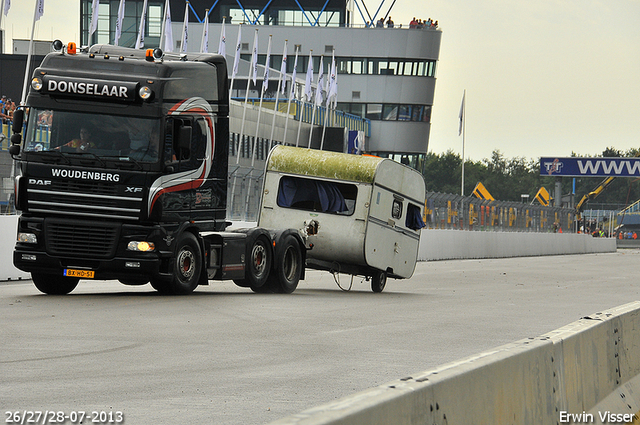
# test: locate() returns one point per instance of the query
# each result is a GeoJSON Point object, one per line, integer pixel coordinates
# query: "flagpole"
{"type": "Point", "coordinates": [143, 17]}
{"type": "Point", "coordinates": [222, 44]}
{"type": "Point", "coordinates": [265, 82]}
{"type": "Point", "coordinates": [291, 92]}
{"type": "Point", "coordinates": [235, 61]}
{"type": "Point", "coordinates": [315, 101]}
{"type": "Point", "coordinates": [185, 29]}
{"type": "Point", "coordinates": [332, 72]}
{"type": "Point", "coordinates": [275, 108]}
{"type": "Point", "coordinates": [204, 46]}
{"type": "Point", "coordinates": [1, 15]}
{"type": "Point", "coordinates": [120, 17]}
{"type": "Point", "coordinates": [463, 117]}
{"type": "Point", "coordinates": [164, 24]}
{"type": "Point", "coordinates": [26, 71]}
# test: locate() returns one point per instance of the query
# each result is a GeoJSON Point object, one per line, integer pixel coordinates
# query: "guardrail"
{"type": "Point", "coordinates": [448, 211]}
{"type": "Point", "coordinates": [585, 372]}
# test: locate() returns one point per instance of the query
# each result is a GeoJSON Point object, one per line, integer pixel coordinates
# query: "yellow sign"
{"type": "Point", "coordinates": [481, 192]}
{"type": "Point", "coordinates": [543, 197]}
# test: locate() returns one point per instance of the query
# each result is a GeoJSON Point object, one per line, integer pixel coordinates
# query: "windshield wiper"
{"type": "Point", "coordinates": [93, 155]}
{"type": "Point", "coordinates": [53, 155]}
{"type": "Point", "coordinates": [124, 160]}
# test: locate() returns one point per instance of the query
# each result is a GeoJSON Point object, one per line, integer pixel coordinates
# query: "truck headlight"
{"type": "Point", "coordinates": [145, 93]}
{"type": "Point", "coordinates": [36, 83]}
{"type": "Point", "coordinates": [141, 246]}
{"type": "Point", "coordinates": [27, 238]}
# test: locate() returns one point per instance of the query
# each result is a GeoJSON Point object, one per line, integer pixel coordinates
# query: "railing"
{"type": "Point", "coordinates": [304, 110]}
{"type": "Point", "coordinates": [448, 211]}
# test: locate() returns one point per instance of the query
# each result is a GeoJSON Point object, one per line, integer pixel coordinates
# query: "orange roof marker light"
{"type": "Point", "coordinates": [71, 48]}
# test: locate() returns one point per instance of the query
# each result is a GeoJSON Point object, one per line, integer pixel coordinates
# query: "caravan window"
{"type": "Point", "coordinates": [414, 219]}
{"type": "Point", "coordinates": [317, 195]}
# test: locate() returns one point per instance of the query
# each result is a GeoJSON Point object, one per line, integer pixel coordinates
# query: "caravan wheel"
{"type": "Point", "coordinates": [378, 281]}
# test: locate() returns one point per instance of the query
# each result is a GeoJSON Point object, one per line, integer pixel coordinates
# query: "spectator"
{"type": "Point", "coordinates": [389, 23]}
{"type": "Point", "coordinates": [413, 23]}
{"type": "Point", "coordinates": [380, 23]}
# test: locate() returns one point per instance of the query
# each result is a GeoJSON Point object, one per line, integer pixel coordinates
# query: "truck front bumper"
{"type": "Point", "coordinates": [130, 268]}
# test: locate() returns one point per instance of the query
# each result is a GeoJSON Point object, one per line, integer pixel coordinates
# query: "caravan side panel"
{"type": "Point", "coordinates": [389, 244]}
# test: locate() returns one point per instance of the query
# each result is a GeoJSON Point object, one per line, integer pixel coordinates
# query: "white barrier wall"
{"type": "Point", "coordinates": [434, 245]}
{"type": "Point", "coordinates": [8, 228]}
{"type": "Point", "coordinates": [580, 373]}
{"type": "Point", "coordinates": [458, 244]}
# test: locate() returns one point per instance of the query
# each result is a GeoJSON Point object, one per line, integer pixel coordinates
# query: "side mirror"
{"type": "Point", "coordinates": [18, 120]}
{"type": "Point", "coordinates": [14, 150]}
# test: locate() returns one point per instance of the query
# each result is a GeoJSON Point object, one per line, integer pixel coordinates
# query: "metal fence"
{"type": "Point", "coordinates": [448, 211]}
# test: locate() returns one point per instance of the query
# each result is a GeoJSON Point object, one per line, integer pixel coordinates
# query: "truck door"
{"type": "Point", "coordinates": [185, 155]}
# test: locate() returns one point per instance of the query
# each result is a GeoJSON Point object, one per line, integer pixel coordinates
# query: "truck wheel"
{"type": "Point", "coordinates": [187, 265]}
{"type": "Point", "coordinates": [288, 270]}
{"type": "Point", "coordinates": [378, 281]}
{"type": "Point", "coordinates": [53, 284]}
{"type": "Point", "coordinates": [258, 264]}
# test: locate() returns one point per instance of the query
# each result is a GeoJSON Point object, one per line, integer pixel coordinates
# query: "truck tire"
{"type": "Point", "coordinates": [187, 265]}
{"type": "Point", "coordinates": [378, 281]}
{"type": "Point", "coordinates": [53, 284]}
{"type": "Point", "coordinates": [258, 264]}
{"type": "Point", "coordinates": [288, 267]}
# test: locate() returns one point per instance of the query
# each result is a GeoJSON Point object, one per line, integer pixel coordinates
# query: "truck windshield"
{"type": "Point", "coordinates": [100, 135]}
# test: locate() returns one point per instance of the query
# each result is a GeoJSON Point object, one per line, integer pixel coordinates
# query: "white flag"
{"type": "Point", "coordinates": [222, 46]}
{"type": "Point", "coordinates": [320, 85]}
{"type": "Point", "coordinates": [308, 91]}
{"type": "Point", "coordinates": [333, 80]}
{"type": "Point", "coordinates": [293, 76]}
{"type": "Point", "coordinates": [140, 40]}
{"type": "Point", "coordinates": [7, 5]}
{"type": "Point", "coordinates": [39, 9]}
{"type": "Point", "coordinates": [204, 48]}
{"type": "Point", "coordinates": [236, 59]}
{"type": "Point", "coordinates": [265, 78]}
{"type": "Point", "coordinates": [94, 16]}
{"type": "Point", "coordinates": [185, 29]}
{"type": "Point", "coordinates": [283, 68]}
{"type": "Point", "coordinates": [119, 22]}
{"type": "Point", "coordinates": [254, 59]}
{"type": "Point", "coordinates": [461, 114]}
{"type": "Point", "coordinates": [168, 32]}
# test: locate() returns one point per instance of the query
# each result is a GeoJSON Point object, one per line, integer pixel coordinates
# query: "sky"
{"type": "Point", "coordinates": [542, 78]}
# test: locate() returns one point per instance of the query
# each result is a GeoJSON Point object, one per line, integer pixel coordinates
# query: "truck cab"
{"type": "Point", "coordinates": [123, 157]}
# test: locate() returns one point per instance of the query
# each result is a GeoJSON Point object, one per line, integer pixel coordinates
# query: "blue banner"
{"type": "Point", "coordinates": [590, 167]}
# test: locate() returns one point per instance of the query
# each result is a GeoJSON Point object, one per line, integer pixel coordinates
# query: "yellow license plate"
{"type": "Point", "coordinates": [85, 274]}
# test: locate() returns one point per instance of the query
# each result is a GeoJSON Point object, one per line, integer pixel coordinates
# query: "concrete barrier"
{"type": "Point", "coordinates": [8, 229]}
{"type": "Point", "coordinates": [436, 244]}
{"type": "Point", "coordinates": [586, 372]}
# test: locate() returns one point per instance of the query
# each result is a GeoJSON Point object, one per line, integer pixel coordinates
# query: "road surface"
{"type": "Point", "coordinates": [225, 355]}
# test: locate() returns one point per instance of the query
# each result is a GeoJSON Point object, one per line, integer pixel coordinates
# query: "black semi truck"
{"type": "Point", "coordinates": [122, 174]}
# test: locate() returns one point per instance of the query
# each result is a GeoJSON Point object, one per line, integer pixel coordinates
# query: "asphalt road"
{"type": "Point", "coordinates": [225, 355]}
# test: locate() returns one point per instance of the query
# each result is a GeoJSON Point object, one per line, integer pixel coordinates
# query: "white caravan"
{"type": "Point", "coordinates": [360, 215]}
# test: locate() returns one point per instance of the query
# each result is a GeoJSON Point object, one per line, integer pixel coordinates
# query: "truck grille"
{"type": "Point", "coordinates": [81, 239]}
{"type": "Point", "coordinates": [84, 199]}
